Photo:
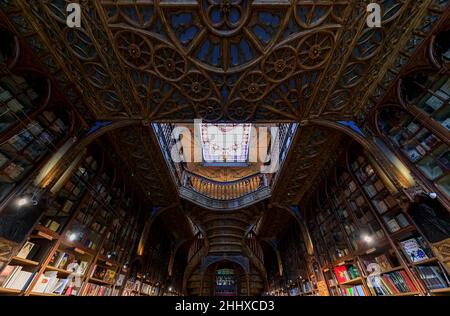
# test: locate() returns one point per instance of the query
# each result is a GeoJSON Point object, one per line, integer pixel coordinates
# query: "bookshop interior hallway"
{"type": "Point", "coordinates": [224, 148]}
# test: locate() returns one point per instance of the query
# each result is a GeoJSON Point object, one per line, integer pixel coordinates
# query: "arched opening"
{"type": "Point", "coordinates": [225, 280]}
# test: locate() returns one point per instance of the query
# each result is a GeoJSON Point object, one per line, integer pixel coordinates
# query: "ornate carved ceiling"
{"type": "Point", "coordinates": [234, 60]}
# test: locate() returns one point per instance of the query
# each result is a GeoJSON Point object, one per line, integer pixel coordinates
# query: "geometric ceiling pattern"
{"type": "Point", "coordinates": [226, 61]}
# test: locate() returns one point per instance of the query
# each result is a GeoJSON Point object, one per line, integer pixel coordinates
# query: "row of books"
{"type": "Point", "coordinates": [23, 100]}
{"type": "Point", "coordinates": [132, 288]}
{"type": "Point", "coordinates": [148, 289]}
{"type": "Point", "coordinates": [98, 290]}
{"type": "Point", "coordinates": [396, 223]}
{"type": "Point", "coordinates": [374, 189]}
{"type": "Point", "coordinates": [11, 170]}
{"type": "Point", "coordinates": [50, 283]}
{"type": "Point", "coordinates": [357, 290]}
{"type": "Point", "coordinates": [69, 262]}
{"type": "Point", "coordinates": [391, 284]}
{"type": "Point", "coordinates": [433, 277]}
{"type": "Point", "coordinates": [23, 138]}
{"type": "Point", "coordinates": [13, 277]}
{"type": "Point", "coordinates": [382, 260]}
{"type": "Point", "coordinates": [385, 204]}
{"type": "Point", "coordinates": [104, 274]}
{"type": "Point", "coordinates": [306, 287]}
{"type": "Point", "coordinates": [346, 273]}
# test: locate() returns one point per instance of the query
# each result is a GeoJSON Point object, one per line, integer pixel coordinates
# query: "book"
{"type": "Point", "coordinates": [109, 276]}
{"type": "Point", "coordinates": [383, 262]}
{"type": "Point", "coordinates": [26, 249]}
{"type": "Point", "coordinates": [15, 106]}
{"type": "Point", "coordinates": [341, 274]}
{"type": "Point", "coordinates": [6, 274]}
{"type": "Point", "coordinates": [21, 281]}
{"type": "Point", "coordinates": [393, 225]}
{"type": "Point", "coordinates": [52, 225]}
{"type": "Point", "coordinates": [98, 273]}
{"type": "Point", "coordinates": [433, 277]}
{"type": "Point", "coordinates": [391, 283]}
{"type": "Point", "coordinates": [352, 272]}
{"type": "Point", "coordinates": [412, 249]}
{"type": "Point", "coordinates": [13, 275]}
{"type": "Point", "coordinates": [357, 290]}
{"type": "Point", "coordinates": [120, 280]}
{"type": "Point", "coordinates": [52, 281]}
{"type": "Point", "coordinates": [5, 95]}
{"type": "Point", "coordinates": [13, 171]}
{"type": "Point", "coordinates": [82, 267]}
{"type": "Point", "coordinates": [3, 160]}
{"type": "Point", "coordinates": [61, 286]}
{"type": "Point", "coordinates": [67, 206]}
{"type": "Point", "coordinates": [401, 220]}
{"type": "Point", "coordinates": [61, 260]}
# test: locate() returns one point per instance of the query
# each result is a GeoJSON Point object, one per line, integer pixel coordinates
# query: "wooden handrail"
{"type": "Point", "coordinates": [224, 191]}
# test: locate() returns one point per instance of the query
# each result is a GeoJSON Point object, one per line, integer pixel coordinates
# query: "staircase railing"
{"type": "Point", "coordinates": [256, 258]}
{"type": "Point", "coordinates": [198, 250]}
{"type": "Point", "coordinates": [255, 247]}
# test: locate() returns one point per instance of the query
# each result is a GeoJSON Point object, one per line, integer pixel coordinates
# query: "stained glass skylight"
{"type": "Point", "coordinates": [225, 143]}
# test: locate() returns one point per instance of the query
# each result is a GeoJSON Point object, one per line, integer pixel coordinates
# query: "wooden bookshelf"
{"type": "Point", "coordinates": [372, 226]}
{"type": "Point", "coordinates": [51, 236]}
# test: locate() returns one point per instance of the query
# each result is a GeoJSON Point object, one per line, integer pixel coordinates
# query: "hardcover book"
{"type": "Point", "coordinates": [413, 250]}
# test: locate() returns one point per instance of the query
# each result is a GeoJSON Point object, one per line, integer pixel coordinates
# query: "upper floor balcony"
{"type": "Point", "coordinates": [224, 166]}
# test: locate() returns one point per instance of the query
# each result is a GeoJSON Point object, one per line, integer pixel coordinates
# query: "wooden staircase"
{"type": "Point", "coordinates": [226, 235]}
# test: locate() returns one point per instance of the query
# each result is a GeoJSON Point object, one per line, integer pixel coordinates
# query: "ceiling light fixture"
{"type": "Point", "coordinates": [23, 201]}
{"type": "Point", "coordinates": [367, 239]}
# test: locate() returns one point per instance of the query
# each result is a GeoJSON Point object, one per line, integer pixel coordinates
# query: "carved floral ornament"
{"type": "Point", "coordinates": [232, 60]}
{"type": "Point", "coordinates": [212, 59]}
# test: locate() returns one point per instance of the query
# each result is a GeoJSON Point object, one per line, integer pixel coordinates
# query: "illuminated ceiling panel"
{"type": "Point", "coordinates": [225, 143]}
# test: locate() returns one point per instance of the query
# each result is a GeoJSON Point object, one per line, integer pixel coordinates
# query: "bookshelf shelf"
{"type": "Point", "coordinates": [407, 294]}
{"type": "Point", "coordinates": [98, 281]}
{"type": "Point", "coordinates": [393, 270]}
{"type": "Point", "coordinates": [400, 234]}
{"type": "Point", "coordinates": [45, 233]}
{"type": "Point", "coordinates": [9, 291]}
{"type": "Point", "coordinates": [427, 261]}
{"type": "Point", "coordinates": [389, 271]}
{"type": "Point", "coordinates": [24, 262]}
{"type": "Point", "coordinates": [43, 294]}
{"type": "Point", "coordinates": [441, 291]}
{"type": "Point", "coordinates": [352, 282]}
{"type": "Point", "coordinates": [62, 271]}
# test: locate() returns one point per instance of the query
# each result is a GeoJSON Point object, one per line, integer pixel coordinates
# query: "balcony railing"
{"type": "Point", "coordinates": [224, 195]}
{"type": "Point", "coordinates": [218, 195]}
{"type": "Point", "coordinates": [224, 191]}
